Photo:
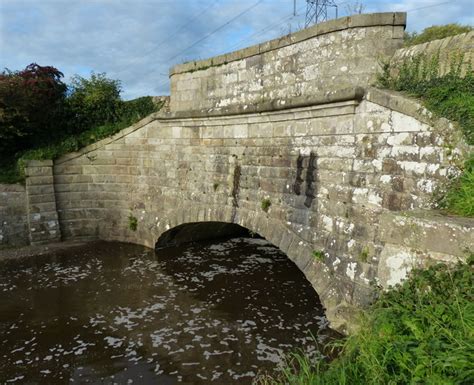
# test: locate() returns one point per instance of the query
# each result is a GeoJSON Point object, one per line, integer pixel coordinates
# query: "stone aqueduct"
{"type": "Point", "coordinates": [347, 170]}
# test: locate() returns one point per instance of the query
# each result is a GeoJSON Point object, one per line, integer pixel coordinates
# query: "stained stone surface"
{"type": "Point", "coordinates": [316, 171]}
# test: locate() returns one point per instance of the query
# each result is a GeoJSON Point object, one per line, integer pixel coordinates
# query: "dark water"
{"type": "Point", "coordinates": [113, 313]}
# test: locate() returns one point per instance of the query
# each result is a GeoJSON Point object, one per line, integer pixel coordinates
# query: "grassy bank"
{"type": "Point", "coordinates": [133, 111]}
{"type": "Point", "coordinates": [421, 332]}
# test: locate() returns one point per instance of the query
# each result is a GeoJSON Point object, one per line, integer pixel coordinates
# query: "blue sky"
{"type": "Point", "coordinates": [137, 41]}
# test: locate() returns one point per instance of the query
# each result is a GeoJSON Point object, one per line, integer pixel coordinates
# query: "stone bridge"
{"type": "Point", "coordinates": [286, 139]}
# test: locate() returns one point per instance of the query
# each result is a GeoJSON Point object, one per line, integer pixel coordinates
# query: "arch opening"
{"type": "Point", "coordinates": [200, 231]}
{"type": "Point", "coordinates": [245, 278]}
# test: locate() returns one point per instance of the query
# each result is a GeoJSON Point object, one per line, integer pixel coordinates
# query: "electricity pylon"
{"type": "Point", "coordinates": [317, 11]}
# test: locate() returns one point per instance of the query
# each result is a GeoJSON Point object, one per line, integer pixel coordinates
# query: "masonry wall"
{"type": "Point", "coordinates": [13, 215]}
{"type": "Point", "coordinates": [449, 51]}
{"type": "Point", "coordinates": [316, 61]}
{"type": "Point", "coordinates": [331, 172]}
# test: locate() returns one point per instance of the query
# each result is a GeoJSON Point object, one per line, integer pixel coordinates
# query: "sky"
{"type": "Point", "coordinates": [137, 41]}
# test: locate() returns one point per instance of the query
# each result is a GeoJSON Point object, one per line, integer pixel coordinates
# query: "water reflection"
{"type": "Point", "coordinates": [112, 313]}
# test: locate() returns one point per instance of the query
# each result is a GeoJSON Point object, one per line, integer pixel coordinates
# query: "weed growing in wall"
{"type": "Point", "coordinates": [266, 203]}
{"type": "Point", "coordinates": [318, 255]}
{"type": "Point", "coordinates": [364, 255]}
{"type": "Point", "coordinates": [421, 332]}
{"type": "Point", "coordinates": [132, 222]}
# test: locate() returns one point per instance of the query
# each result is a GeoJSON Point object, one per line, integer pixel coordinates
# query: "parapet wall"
{"type": "Point", "coordinates": [313, 62]}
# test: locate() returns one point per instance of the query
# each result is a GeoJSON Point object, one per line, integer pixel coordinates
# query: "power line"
{"type": "Point", "coordinates": [217, 29]}
{"type": "Point", "coordinates": [429, 6]}
{"type": "Point", "coordinates": [183, 26]}
{"type": "Point", "coordinates": [210, 34]}
{"type": "Point", "coordinates": [265, 29]}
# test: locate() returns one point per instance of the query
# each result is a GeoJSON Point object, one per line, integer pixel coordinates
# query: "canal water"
{"type": "Point", "coordinates": [217, 312]}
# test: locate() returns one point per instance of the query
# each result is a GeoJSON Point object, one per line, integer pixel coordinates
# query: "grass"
{"type": "Point", "coordinates": [319, 255]}
{"type": "Point", "coordinates": [266, 203]}
{"type": "Point", "coordinates": [132, 223]}
{"type": "Point", "coordinates": [435, 32]}
{"type": "Point", "coordinates": [451, 96]}
{"type": "Point", "coordinates": [459, 198]}
{"type": "Point", "coordinates": [12, 170]}
{"type": "Point", "coordinates": [421, 332]}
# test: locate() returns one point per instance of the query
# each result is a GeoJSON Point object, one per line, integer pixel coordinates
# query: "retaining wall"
{"type": "Point", "coordinates": [13, 215]}
{"type": "Point", "coordinates": [449, 51]}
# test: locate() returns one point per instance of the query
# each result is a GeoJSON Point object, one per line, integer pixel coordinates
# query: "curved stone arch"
{"type": "Point", "coordinates": [321, 277]}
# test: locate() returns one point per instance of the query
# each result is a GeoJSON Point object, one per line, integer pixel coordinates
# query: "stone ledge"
{"type": "Point", "coordinates": [39, 163]}
{"type": "Point", "coordinates": [347, 94]}
{"type": "Point", "coordinates": [448, 235]}
{"type": "Point", "coordinates": [12, 188]}
{"type": "Point", "coordinates": [348, 22]}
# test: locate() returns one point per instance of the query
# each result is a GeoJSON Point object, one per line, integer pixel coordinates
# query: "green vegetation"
{"type": "Point", "coordinates": [42, 118]}
{"type": "Point", "coordinates": [459, 199]}
{"type": "Point", "coordinates": [132, 222]}
{"type": "Point", "coordinates": [450, 95]}
{"type": "Point", "coordinates": [435, 32]}
{"type": "Point", "coordinates": [266, 203]}
{"type": "Point", "coordinates": [364, 254]}
{"type": "Point", "coordinates": [421, 332]}
{"type": "Point", "coordinates": [318, 255]}
{"type": "Point", "coordinates": [215, 186]}
{"type": "Point", "coordinates": [31, 101]}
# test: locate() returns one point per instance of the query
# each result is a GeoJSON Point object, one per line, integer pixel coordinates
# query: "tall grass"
{"type": "Point", "coordinates": [421, 332]}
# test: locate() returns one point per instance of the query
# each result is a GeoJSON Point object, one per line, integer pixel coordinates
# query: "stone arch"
{"type": "Point", "coordinates": [331, 289]}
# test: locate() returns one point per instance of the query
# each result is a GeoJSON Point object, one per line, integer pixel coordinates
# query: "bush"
{"type": "Point", "coordinates": [421, 332]}
{"type": "Point", "coordinates": [93, 102]}
{"type": "Point", "coordinates": [39, 120]}
{"type": "Point", "coordinates": [134, 111]}
{"type": "Point", "coordinates": [435, 32]}
{"type": "Point", "coordinates": [31, 104]}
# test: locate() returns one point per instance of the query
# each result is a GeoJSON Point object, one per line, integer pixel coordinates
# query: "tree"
{"type": "Point", "coordinates": [94, 102]}
{"type": "Point", "coordinates": [31, 103]}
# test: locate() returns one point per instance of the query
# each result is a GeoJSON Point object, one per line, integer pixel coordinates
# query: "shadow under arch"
{"type": "Point", "coordinates": [199, 231]}
{"type": "Point", "coordinates": [332, 291]}
{"type": "Point", "coordinates": [198, 236]}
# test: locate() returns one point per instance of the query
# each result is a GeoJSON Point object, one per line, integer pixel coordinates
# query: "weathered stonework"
{"type": "Point", "coordinates": [327, 57]}
{"type": "Point", "coordinates": [419, 239]}
{"type": "Point", "coordinates": [331, 171]}
{"type": "Point", "coordinates": [43, 225]}
{"type": "Point", "coordinates": [13, 217]}
{"type": "Point", "coordinates": [341, 169]}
